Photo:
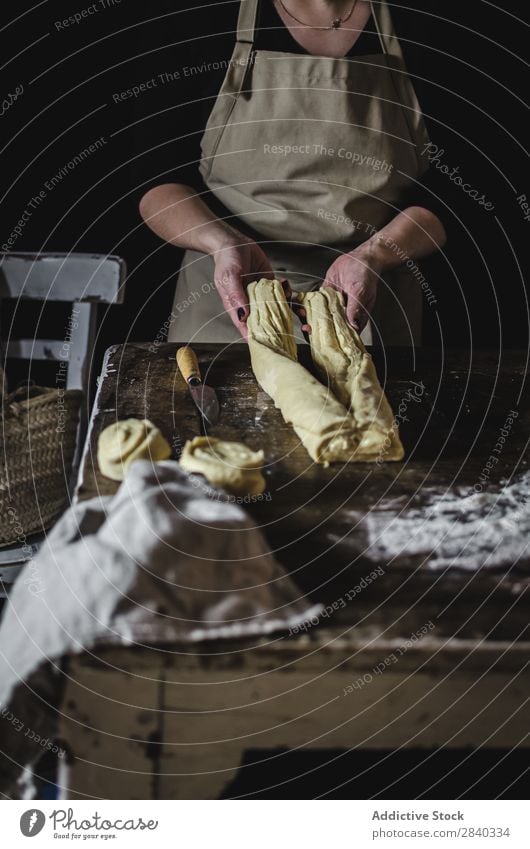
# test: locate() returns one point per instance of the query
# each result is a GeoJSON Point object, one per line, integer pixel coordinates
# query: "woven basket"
{"type": "Point", "coordinates": [37, 446]}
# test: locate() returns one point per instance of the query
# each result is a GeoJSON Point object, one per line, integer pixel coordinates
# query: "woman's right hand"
{"type": "Point", "coordinates": [176, 213]}
{"type": "Point", "coordinates": [238, 261]}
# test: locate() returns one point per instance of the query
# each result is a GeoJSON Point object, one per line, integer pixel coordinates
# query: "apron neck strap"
{"type": "Point", "coordinates": [385, 28]}
{"type": "Point", "coordinates": [247, 20]}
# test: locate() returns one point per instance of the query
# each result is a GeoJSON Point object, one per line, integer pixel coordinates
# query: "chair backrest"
{"type": "Point", "coordinates": [83, 280]}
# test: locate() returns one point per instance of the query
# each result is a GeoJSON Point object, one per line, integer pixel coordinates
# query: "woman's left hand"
{"type": "Point", "coordinates": [356, 275]}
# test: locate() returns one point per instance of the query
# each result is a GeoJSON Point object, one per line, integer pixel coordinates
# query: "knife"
{"type": "Point", "coordinates": [204, 396]}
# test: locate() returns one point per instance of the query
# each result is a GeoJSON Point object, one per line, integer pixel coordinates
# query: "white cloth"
{"type": "Point", "coordinates": [167, 559]}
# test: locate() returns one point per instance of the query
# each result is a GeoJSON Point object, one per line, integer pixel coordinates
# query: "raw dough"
{"type": "Point", "coordinates": [342, 360]}
{"type": "Point", "coordinates": [349, 418]}
{"type": "Point", "coordinates": [230, 465]}
{"type": "Point", "coordinates": [128, 440]}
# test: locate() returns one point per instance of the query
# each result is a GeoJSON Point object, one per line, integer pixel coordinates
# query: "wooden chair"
{"type": "Point", "coordinates": [83, 280]}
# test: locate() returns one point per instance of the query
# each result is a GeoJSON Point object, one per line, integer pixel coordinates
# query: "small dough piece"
{"type": "Point", "coordinates": [128, 440]}
{"type": "Point", "coordinates": [229, 465]}
{"type": "Point", "coordinates": [349, 418]}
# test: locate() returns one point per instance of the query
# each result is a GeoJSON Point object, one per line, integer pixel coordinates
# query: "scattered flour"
{"type": "Point", "coordinates": [489, 530]}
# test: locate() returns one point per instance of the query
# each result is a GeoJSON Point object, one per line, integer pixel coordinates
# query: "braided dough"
{"type": "Point", "coordinates": [123, 442]}
{"type": "Point", "coordinates": [230, 465]}
{"type": "Point", "coordinates": [345, 418]}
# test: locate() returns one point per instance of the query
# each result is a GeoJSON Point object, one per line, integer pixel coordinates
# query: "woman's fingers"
{"type": "Point", "coordinates": [351, 303]}
{"type": "Point", "coordinates": [357, 314]}
{"type": "Point", "coordinates": [286, 286]}
{"type": "Point", "coordinates": [356, 317]}
{"type": "Point", "coordinates": [234, 272]}
{"type": "Point", "coordinates": [359, 305]}
{"type": "Point", "coordinates": [357, 280]}
{"type": "Point", "coordinates": [234, 297]}
{"type": "Point", "coordinates": [301, 314]}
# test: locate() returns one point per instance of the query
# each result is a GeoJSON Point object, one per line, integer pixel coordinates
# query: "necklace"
{"type": "Point", "coordinates": [335, 24]}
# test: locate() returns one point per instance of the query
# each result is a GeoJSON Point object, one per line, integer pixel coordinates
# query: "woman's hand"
{"type": "Point", "coordinates": [177, 214]}
{"type": "Point", "coordinates": [412, 234]}
{"type": "Point", "coordinates": [356, 275]}
{"type": "Point", "coordinates": [238, 261]}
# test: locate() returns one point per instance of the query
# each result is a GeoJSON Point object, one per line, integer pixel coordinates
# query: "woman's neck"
{"type": "Point", "coordinates": [316, 9]}
{"type": "Point", "coordinates": [311, 25]}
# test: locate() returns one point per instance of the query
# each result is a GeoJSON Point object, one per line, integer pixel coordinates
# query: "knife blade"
{"type": "Point", "coordinates": [204, 396]}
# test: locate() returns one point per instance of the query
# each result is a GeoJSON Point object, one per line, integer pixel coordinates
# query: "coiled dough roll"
{"type": "Point", "coordinates": [128, 440]}
{"type": "Point", "coordinates": [232, 466]}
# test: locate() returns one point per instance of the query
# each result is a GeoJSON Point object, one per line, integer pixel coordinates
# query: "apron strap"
{"type": "Point", "coordinates": [402, 82]}
{"type": "Point", "coordinates": [247, 20]}
{"type": "Point", "coordinates": [385, 28]}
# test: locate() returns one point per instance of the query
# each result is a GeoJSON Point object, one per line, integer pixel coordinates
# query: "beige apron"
{"type": "Point", "coordinates": [313, 155]}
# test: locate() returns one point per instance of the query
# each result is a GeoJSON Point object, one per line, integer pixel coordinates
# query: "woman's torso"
{"type": "Point", "coordinates": [313, 149]}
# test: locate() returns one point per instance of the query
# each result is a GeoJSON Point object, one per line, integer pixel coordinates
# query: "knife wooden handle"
{"type": "Point", "coordinates": [188, 364]}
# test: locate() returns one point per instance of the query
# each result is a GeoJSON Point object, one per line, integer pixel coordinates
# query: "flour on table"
{"type": "Point", "coordinates": [489, 530]}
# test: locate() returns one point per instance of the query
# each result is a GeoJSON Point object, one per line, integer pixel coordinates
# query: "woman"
{"type": "Point", "coordinates": [313, 146]}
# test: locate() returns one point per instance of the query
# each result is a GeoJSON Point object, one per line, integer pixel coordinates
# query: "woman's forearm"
{"type": "Point", "coordinates": [412, 234]}
{"type": "Point", "coordinates": [176, 214]}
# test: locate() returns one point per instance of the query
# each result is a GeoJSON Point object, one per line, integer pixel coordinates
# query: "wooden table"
{"type": "Point", "coordinates": [178, 722]}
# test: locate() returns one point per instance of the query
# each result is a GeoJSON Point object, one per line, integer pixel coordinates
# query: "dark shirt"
{"type": "Point", "coordinates": [209, 40]}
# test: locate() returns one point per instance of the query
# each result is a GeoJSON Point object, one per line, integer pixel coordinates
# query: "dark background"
{"type": "Point", "coordinates": [473, 97]}
{"type": "Point", "coordinates": [476, 80]}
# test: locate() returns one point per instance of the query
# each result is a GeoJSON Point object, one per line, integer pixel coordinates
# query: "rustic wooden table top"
{"type": "Point", "coordinates": [310, 513]}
